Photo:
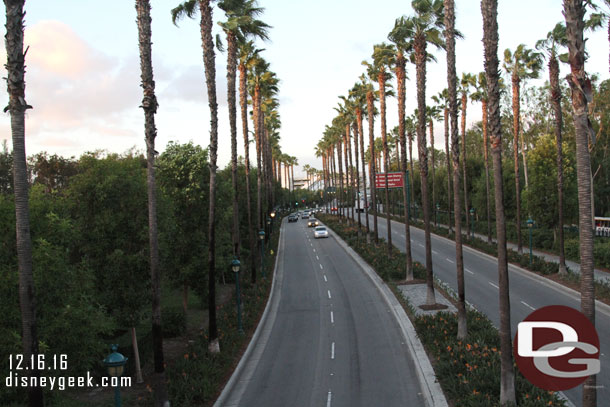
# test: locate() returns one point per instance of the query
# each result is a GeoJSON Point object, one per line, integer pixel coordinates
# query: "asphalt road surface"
{"type": "Point", "coordinates": [481, 282]}
{"type": "Point", "coordinates": [333, 341]}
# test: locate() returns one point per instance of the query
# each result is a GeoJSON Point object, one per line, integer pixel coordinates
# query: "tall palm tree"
{"type": "Point", "coordinates": [188, 8]}
{"type": "Point", "coordinates": [442, 101]}
{"type": "Point", "coordinates": [149, 104]}
{"type": "Point", "coordinates": [466, 82]}
{"type": "Point", "coordinates": [411, 129]}
{"type": "Point", "coordinates": [580, 84]}
{"type": "Point", "coordinates": [489, 10]}
{"type": "Point", "coordinates": [554, 39]}
{"type": "Point", "coordinates": [383, 60]}
{"type": "Point", "coordinates": [424, 28]}
{"type": "Point", "coordinates": [523, 63]}
{"type": "Point", "coordinates": [450, 35]}
{"type": "Point", "coordinates": [370, 108]}
{"type": "Point", "coordinates": [400, 37]}
{"type": "Point", "coordinates": [480, 94]}
{"type": "Point", "coordinates": [358, 98]}
{"type": "Point", "coordinates": [241, 24]}
{"type": "Point", "coordinates": [17, 106]}
{"type": "Point", "coordinates": [432, 114]}
{"type": "Point", "coordinates": [247, 57]}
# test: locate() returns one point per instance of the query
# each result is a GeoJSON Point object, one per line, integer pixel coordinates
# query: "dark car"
{"type": "Point", "coordinates": [293, 218]}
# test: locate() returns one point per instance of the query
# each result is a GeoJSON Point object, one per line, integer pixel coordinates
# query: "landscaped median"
{"type": "Point", "coordinates": [199, 376]}
{"type": "Point", "coordinates": [469, 370]}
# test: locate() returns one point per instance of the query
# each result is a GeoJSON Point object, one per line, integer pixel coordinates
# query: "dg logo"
{"type": "Point", "coordinates": [556, 348]}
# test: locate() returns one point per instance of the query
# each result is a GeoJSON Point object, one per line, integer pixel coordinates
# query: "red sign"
{"type": "Point", "coordinates": [395, 180]}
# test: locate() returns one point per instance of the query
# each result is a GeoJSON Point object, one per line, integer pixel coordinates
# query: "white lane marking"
{"type": "Point", "coordinates": [310, 244]}
{"type": "Point", "coordinates": [527, 305]}
{"type": "Point", "coordinates": [325, 278]}
{"type": "Point", "coordinates": [420, 245]}
{"type": "Point", "coordinates": [317, 258]}
{"type": "Point", "coordinates": [321, 268]}
{"type": "Point", "coordinates": [328, 400]}
{"type": "Point", "coordinates": [449, 260]}
{"type": "Point", "coordinates": [329, 297]}
{"type": "Point", "coordinates": [434, 252]}
{"type": "Point", "coordinates": [332, 351]}
{"type": "Point", "coordinates": [468, 271]}
{"type": "Point", "coordinates": [493, 285]}
{"type": "Point", "coordinates": [332, 318]}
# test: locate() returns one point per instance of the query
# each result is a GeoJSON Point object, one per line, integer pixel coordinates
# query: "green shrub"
{"type": "Point", "coordinates": [174, 321]}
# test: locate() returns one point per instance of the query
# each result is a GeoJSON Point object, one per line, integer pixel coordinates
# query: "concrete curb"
{"type": "Point", "coordinates": [431, 389]}
{"type": "Point", "coordinates": [241, 374]}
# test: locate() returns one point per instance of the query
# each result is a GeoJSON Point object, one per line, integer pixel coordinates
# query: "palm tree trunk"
{"type": "Point", "coordinates": [341, 190]}
{"type": "Point", "coordinates": [431, 128]}
{"type": "Point", "coordinates": [243, 104]}
{"type": "Point", "coordinates": [358, 208]}
{"type": "Point", "coordinates": [400, 80]}
{"type": "Point", "coordinates": [386, 159]}
{"type": "Point", "coordinates": [455, 144]}
{"type": "Point", "coordinates": [489, 10]}
{"type": "Point", "coordinates": [574, 11]}
{"type": "Point", "coordinates": [486, 159]}
{"type": "Point", "coordinates": [366, 201]}
{"type": "Point", "coordinates": [351, 173]}
{"type": "Point", "coordinates": [149, 104]}
{"type": "Point", "coordinates": [259, 165]}
{"type": "Point", "coordinates": [516, 113]}
{"type": "Point", "coordinates": [372, 169]}
{"type": "Point", "coordinates": [231, 75]}
{"type": "Point", "coordinates": [420, 63]}
{"type": "Point", "coordinates": [210, 78]}
{"type": "Point", "coordinates": [412, 173]}
{"type": "Point", "coordinates": [449, 168]}
{"type": "Point", "coordinates": [464, 176]}
{"type": "Point", "coordinates": [17, 106]}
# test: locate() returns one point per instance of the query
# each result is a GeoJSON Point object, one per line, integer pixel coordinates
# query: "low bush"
{"type": "Point", "coordinates": [174, 321]}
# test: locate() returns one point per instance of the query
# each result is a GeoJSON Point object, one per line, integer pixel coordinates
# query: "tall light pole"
{"type": "Point", "coordinates": [235, 266]}
{"type": "Point", "coordinates": [472, 222]}
{"type": "Point", "coordinates": [530, 226]}
{"type": "Point", "coordinates": [261, 237]}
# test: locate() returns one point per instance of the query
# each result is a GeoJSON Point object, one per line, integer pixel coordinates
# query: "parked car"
{"type": "Point", "coordinates": [320, 231]}
{"type": "Point", "coordinates": [293, 218]}
{"type": "Point", "coordinates": [313, 222]}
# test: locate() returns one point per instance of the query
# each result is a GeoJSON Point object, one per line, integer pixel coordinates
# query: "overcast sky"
{"type": "Point", "coordinates": [83, 71]}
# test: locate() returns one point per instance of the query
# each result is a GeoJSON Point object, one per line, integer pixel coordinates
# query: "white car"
{"type": "Point", "coordinates": [320, 231]}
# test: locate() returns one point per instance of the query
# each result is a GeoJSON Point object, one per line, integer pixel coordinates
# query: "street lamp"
{"type": "Point", "coordinates": [530, 226]}
{"type": "Point", "coordinates": [261, 237]}
{"type": "Point", "coordinates": [235, 266]}
{"type": "Point", "coordinates": [115, 364]}
{"type": "Point", "coordinates": [472, 222]}
{"type": "Point", "coordinates": [438, 207]}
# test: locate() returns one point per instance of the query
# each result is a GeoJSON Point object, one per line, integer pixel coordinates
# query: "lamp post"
{"type": "Point", "coordinates": [115, 364]}
{"type": "Point", "coordinates": [530, 226]}
{"type": "Point", "coordinates": [261, 237]}
{"type": "Point", "coordinates": [272, 214]}
{"type": "Point", "coordinates": [438, 207]}
{"type": "Point", "coordinates": [235, 266]}
{"type": "Point", "coordinates": [472, 222]}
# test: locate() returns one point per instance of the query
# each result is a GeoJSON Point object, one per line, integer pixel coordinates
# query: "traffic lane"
{"type": "Point", "coordinates": [288, 368]}
{"type": "Point", "coordinates": [526, 294]}
{"type": "Point", "coordinates": [372, 365]}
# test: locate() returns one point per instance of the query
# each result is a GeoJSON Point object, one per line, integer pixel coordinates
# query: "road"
{"type": "Point", "coordinates": [333, 341]}
{"type": "Point", "coordinates": [481, 280]}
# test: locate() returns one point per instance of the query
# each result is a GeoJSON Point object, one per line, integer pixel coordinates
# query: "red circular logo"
{"type": "Point", "coordinates": [556, 348]}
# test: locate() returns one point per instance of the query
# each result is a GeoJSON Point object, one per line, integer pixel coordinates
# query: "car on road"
{"type": "Point", "coordinates": [293, 218]}
{"type": "Point", "coordinates": [320, 231]}
{"type": "Point", "coordinates": [313, 222]}
{"type": "Point", "coordinates": [305, 215]}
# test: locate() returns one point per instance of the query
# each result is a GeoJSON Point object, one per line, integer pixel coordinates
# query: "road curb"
{"type": "Point", "coordinates": [431, 389]}
{"type": "Point", "coordinates": [264, 328]}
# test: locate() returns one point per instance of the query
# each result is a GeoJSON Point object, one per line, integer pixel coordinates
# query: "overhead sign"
{"type": "Point", "coordinates": [395, 180]}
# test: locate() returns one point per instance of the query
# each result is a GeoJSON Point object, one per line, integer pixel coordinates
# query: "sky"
{"type": "Point", "coordinates": [83, 74]}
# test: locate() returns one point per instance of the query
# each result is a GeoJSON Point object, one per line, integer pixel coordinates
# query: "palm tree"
{"type": "Point", "coordinates": [432, 114]}
{"type": "Point", "coordinates": [149, 104]}
{"type": "Point", "coordinates": [399, 36]}
{"type": "Point", "coordinates": [358, 98]}
{"type": "Point", "coordinates": [383, 59]}
{"type": "Point", "coordinates": [480, 95]}
{"type": "Point", "coordinates": [411, 129]}
{"type": "Point", "coordinates": [17, 106]}
{"type": "Point", "coordinates": [424, 28]}
{"type": "Point", "coordinates": [205, 9]}
{"type": "Point", "coordinates": [240, 24]}
{"type": "Point", "coordinates": [489, 10]}
{"type": "Point", "coordinates": [580, 84]}
{"type": "Point", "coordinates": [247, 57]}
{"type": "Point", "coordinates": [465, 83]}
{"type": "Point", "coordinates": [554, 39]}
{"type": "Point", "coordinates": [442, 101]}
{"type": "Point", "coordinates": [370, 107]}
{"type": "Point", "coordinates": [523, 63]}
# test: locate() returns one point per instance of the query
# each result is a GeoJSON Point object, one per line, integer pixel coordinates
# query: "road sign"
{"type": "Point", "coordinates": [395, 180]}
